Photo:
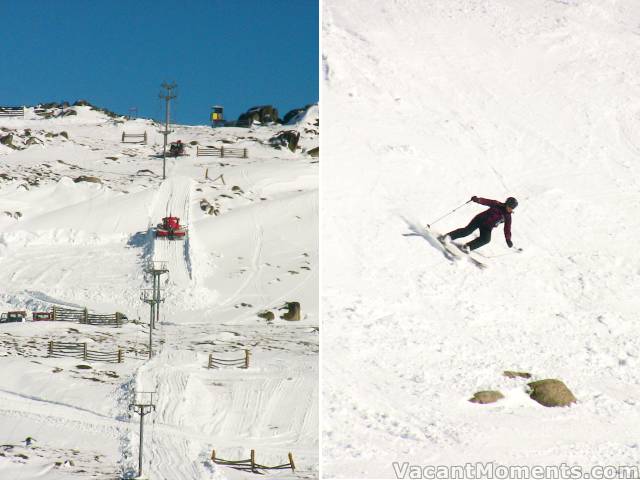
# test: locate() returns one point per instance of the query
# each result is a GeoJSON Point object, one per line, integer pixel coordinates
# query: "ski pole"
{"type": "Point", "coordinates": [447, 214]}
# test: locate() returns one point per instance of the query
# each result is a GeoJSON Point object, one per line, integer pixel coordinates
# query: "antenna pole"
{"type": "Point", "coordinates": [167, 94]}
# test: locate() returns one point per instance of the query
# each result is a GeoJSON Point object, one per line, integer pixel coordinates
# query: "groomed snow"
{"type": "Point", "coordinates": [85, 244]}
{"type": "Point", "coordinates": [425, 104]}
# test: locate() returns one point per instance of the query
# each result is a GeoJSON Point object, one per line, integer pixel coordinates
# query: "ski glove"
{"type": "Point", "coordinates": [509, 243]}
{"type": "Point", "coordinates": [474, 199]}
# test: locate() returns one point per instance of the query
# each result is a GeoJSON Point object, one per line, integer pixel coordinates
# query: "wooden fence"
{"type": "Point", "coordinates": [61, 314]}
{"type": "Point", "coordinates": [11, 111]}
{"type": "Point", "coordinates": [80, 350]}
{"type": "Point", "coordinates": [222, 152]}
{"type": "Point", "coordinates": [134, 137]}
{"type": "Point", "coordinates": [221, 177]}
{"type": "Point", "coordinates": [250, 464]}
{"type": "Point", "coordinates": [224, 362]}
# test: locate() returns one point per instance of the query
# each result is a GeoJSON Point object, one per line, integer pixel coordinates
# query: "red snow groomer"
{"type": "Point", "coordinates": [170, 228]}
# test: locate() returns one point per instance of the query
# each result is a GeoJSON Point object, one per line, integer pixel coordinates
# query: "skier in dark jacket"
{"type": "Point", "coordinates": [498, 212]}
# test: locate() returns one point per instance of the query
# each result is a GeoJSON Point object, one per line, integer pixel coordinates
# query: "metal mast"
{"type": "Point", "coordinates": [142, 407]}
{"type": "Point", "coordinates": [153, 297]}
{"type": "Point", "coordinates": [157, 269]}
{"type": "Point", "coordinates": [167, 94]}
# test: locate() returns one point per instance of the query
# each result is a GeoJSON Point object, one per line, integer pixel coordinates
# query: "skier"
{"type": "Point", "coordinates": [498, 212]}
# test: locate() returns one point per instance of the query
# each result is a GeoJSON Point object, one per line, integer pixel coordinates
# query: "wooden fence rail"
{"type": "Point", "coordinates": [250, 464]}
{"type": "Point", "coordinates": [80, 350]}
{"type": "Point", "coordinates": [134, 137]}
{"type": "Point", "coordinates": [61, 314]}
{"type": "Point", "coordinates": [222, 152]}
{"type": "Point", "coordinates": [224, 362]}
{"type": "Point", "coordinates": [221, 177]}
{"type": "Point", "coordinates": [11, 111]}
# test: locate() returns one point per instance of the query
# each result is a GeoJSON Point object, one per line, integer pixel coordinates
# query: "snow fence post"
{"type": "Point", "coordinates": [55, 313]}
{"type": "Point", "coordinates": [222, 151]}
{"type": "Point", "coordinates": [244, 153]}
{"type": "Point", "coordinates": [84, 351]}
{"type": "Point", "coordinates": [253, 460]}
{"type": "Point", "coordinates": [86, 315]}
{"type": "Point", "coordinates": [209, 364]}
{"type": "Point", "coordinates": [122, 137]}
{"type": "Point", "coordinates": [119, 319]}
{"type": "Point", "coordinates": [50, 347]}
{"type": "Point", "coordinates": [247, 354]}
{"type": "Point", "coordinates": [213, 455]}
{"type": "Point", "coordinates": [145, 137]}
{"type": "Point", "coordinates": [221, 177]}
{"type": "Point", "coordinates": [293, 465]}
{"type": "Point", "coordinates": [119, 355]}
{"type": "Point", "coordinates": [206, 174]}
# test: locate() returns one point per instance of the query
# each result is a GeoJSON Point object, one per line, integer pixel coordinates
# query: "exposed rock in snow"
{"type": "Point", "coordinates": [551, 393]}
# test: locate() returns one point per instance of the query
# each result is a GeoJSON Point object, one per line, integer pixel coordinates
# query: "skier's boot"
{"type": "Point", "coordinates": [465, 248]}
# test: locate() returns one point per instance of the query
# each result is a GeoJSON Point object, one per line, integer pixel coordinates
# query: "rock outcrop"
{"type": "Point", "coordinates": [551, 393]}
{"type": "Point", "coordinates": [261, 114]}
{"type": "Point", "coordinates": [486, 396]}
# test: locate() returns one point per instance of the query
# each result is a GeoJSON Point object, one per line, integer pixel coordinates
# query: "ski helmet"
{"type": "Point", "coordinates": [511, 202]}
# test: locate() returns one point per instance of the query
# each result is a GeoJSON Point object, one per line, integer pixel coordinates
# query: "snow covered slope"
{"type": "Point", "coordinates": [425, 104]}
{"type": "Point", "coordinates": [85, 244]}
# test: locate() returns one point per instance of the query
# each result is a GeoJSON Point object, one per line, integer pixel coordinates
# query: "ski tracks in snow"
{"type": "Point", "coordinates": [174, 198]}
{"type": "Point", "coordinates": [176, 443]}
{"type": "Point", "coordinates": [255, 270]}
{"type": "Point", "coordinates": [57, 414]}
{"type": "Point", "coordinates": [169, 444]}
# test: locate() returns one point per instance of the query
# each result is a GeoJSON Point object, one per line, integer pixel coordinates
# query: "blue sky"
{"type": "Point", "coordinates": [116, 54]}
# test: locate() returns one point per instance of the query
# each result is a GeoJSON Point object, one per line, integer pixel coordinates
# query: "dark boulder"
{"type": "Point", "coordinates": [261, 114]}
{"type": "Point", "coordinates": [8, 141]}
{"type": "Point", "coordinates": [292, 311]}
{"type": "Point", "coordinates": [551, 393]}
{"type": "Point", "coordinates": [513, 374]}
{"type": "Point", "coordinates": [267, 315]}
{"type": "Point", "coordinates": [287, 138]}
{"type": "Point", "coordinates": [486, 396]}
{"type": "Point", "coordinates": [86, 178]}
{"type": "Point", "coordinates": [291, 114]}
